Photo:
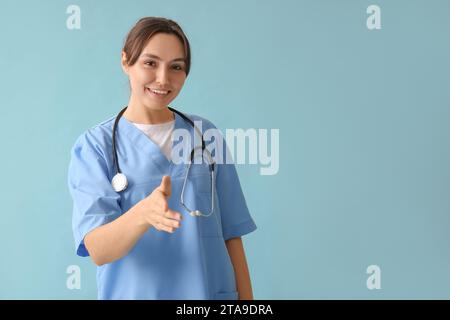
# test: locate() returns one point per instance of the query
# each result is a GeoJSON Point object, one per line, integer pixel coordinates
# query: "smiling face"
{"type": "Point", "coordinates": [158, 74]}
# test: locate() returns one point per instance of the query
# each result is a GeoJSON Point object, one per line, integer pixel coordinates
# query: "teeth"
{"type": "Point", "coordinates": [159, 91]}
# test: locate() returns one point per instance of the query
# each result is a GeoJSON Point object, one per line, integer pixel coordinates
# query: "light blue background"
{"type": "Point", "coordinates": [364, 119]}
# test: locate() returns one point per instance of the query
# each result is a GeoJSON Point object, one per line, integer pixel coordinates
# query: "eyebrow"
{"type": "Point", "coordinates": [149, 55]}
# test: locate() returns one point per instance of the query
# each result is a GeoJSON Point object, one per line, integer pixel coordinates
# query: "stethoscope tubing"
{"type": "Point", "coordinates": [119, 176]}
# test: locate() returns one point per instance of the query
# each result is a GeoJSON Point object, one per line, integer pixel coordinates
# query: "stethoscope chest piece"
{"type": "Point", "coordinates": [119, 182]}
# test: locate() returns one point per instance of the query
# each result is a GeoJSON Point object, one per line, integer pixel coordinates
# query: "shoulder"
{"type": "Point", "coordinates": [97, 139]}
{"type": "Point", "coordinates": [205, 123]}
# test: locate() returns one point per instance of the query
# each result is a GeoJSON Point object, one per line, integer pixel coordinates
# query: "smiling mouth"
{"type": "Point", "coordinates": [160, 93]}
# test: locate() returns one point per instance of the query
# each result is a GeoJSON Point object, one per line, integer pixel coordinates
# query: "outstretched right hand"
{"type": "Point", "coordinates": [155, 208]}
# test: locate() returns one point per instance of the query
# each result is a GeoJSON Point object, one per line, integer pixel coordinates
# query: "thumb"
{"type": "Point", "coordinates": [165, 186]}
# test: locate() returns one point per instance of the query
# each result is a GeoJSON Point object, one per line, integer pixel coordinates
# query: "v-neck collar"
{"type": "Point", "coordinates": [144, 144]}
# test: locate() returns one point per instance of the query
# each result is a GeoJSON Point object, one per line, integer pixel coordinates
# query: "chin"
{"type": "Point", "coordinates": [156, 107]}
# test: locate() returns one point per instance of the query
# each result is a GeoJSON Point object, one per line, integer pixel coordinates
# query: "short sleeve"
{"type": "Point", "coordinates": [94, 200]}
{"type": "Point", "coordinates": [236, 219]}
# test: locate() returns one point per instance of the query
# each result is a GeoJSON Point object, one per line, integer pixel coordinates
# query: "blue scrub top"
{"type": "Point", "coordinates": [191, 263]}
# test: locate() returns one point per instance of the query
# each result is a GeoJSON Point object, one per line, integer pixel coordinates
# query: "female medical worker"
{"type": "Point", "coordinates": [145, 243]}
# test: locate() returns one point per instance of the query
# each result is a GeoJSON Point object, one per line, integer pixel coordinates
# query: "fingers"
{"type": "Point", "coordinates": [168, 225]}
{"type": "Point", "coordinates": [162, 227]}
{"type": "Point", "coordinates": [173, 215]}
{"type": "Point", "coordinates": [165, 187]}
{"type": "Point", "coordinates": [166, 219]}
{"type": "Point", "coordinates": [170, 221]}
{"type": "Point", "coordinates": [161, 203]}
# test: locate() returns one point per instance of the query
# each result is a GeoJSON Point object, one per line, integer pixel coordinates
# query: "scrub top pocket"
{"type": "Point", "coordinates": [200, 174]}
{"type": "Point", "coordinates": [210, 226]}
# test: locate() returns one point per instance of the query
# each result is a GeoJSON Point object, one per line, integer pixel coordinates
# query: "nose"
{"type": "Point", "coordinates": [162, 76]}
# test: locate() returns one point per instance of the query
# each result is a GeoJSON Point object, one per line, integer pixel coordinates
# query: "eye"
{"type": "Point", "coordinates": [177, 67]}
{"type": "Point", "coordinates": [151, 63]}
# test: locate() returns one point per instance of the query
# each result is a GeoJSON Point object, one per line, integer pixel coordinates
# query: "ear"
{"type": "Point", "coordinates": [124, 63]}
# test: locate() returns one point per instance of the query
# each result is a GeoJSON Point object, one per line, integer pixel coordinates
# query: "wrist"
{"type": "Point", "coordinates": [139, 216]}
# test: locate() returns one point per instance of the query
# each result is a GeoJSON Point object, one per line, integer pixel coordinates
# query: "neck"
{"type": "Point", "coordinates": [141, 114]}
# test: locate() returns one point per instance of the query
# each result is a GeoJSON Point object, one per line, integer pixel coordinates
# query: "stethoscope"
{"type": "Point", "coordinates": [120, 182]}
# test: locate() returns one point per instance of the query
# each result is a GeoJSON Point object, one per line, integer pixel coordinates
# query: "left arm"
{"type": "Point", "coordinates": [237, 255]}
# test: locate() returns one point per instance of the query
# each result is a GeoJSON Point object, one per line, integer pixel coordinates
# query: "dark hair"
{"type": "Point", "coordinates": [147, 27]}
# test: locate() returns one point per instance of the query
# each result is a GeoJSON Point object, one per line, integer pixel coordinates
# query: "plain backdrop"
{"type": "Point", "coordinates": [364, 120]}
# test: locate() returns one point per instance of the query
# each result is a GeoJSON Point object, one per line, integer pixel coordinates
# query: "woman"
{"type": "Point", "coordinates": [136, 230]}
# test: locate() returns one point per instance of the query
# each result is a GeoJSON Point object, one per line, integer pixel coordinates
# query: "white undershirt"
{"type": "Point", "coordinates": [160, 134]}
